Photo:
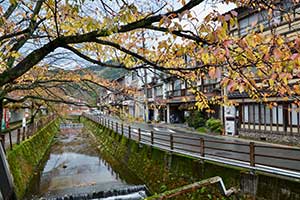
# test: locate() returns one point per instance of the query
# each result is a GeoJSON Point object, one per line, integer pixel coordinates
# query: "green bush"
{"type": "Point", "coordinates": [196, 119]}
{"type": "Point", "coordinates": [202, 129]}
{"type": "Point", "coordinates": [214, 125]}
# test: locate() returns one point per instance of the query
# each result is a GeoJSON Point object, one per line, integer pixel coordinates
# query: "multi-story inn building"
{"type": "Point", "coordinates": [258, 120]}
{"type": "Point", "coordinates": [159, 97]}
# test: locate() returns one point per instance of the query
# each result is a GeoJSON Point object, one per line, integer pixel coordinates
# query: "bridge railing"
{"type": "Point", "coordinates": [70, 125]}
{"type": "Point", "coordinates": [15, 136]}
{"type": "Point", "coordinates": [254, 156]}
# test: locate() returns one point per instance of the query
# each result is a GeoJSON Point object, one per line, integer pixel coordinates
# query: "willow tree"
{"type": "Point", "coordinates": [143, 34]}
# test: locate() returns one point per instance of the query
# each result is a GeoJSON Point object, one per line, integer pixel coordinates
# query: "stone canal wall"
{"type": "Point", "coordinates": [24, 159]}
{"type": "Point", "coordinates": [161, 170]}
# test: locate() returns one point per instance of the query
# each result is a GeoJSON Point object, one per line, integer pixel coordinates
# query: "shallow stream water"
{"type": "Point", "coordinates": [74, 167]}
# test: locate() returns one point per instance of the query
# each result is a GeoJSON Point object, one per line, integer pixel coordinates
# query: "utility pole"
{"type": "Point", "coordinates": [146, 115]}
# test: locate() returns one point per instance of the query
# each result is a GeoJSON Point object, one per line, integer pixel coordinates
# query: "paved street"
{"type": "Point", "coordinates": [218, 147]}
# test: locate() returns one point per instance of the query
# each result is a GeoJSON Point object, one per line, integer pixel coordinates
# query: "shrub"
{"type": "Point", "coordinates": [214, 125]}
{"type": "Point", "coordinates": [202, 129]}
{"type": "Point", "coordinates": [196, 119]}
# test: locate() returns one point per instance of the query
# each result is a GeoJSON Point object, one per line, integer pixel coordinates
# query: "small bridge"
{"type": "Point", "coordinates": [71, 125]}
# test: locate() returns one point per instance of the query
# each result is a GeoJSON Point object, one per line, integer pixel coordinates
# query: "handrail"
{"type": "Point", "coordinates": [211, 150]}
{"type": "Point", "coordinates": [277, 147]}
{"type": "Point", "coordinates": [222, 142]}
{"type": "Point", "coordinates": [22, 133]}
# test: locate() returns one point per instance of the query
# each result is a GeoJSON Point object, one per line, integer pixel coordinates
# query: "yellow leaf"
{"type": "Point", "coordinates": [261, 27]}
{"type": "Point", "coordinates": [271, 82]}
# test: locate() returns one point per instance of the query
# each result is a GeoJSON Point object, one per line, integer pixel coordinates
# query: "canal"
{"type": "Point", "coordinates": [73, 167]}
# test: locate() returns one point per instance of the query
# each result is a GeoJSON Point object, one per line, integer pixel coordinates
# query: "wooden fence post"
{"type": "Point", "coordinates": [252, 154]}
{"type": "Point", "coordinates": [139, 135]}
{"type": "Point", "coordinates": [117, 127]}
{"type": "Point", "coordinates": [152, 137]}
{"type": "Point", "coordinates": [129, 132]}
{"type": "Point", "coordinates": [18, 136]}
{"type": "Point", "coordinates": [23, 133]}
{"type": "Point", "coordinates": [10, 140]}
{"type": "Point", "coordinates": [122, 129]}
{"type": "Point", "coordinates": [171, 142]}
{"type": "Point", "coordinates": [28, 131]}
{"type": "Point", "coordinates": [202, 153]}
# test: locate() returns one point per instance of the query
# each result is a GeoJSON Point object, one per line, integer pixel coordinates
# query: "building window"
{"type": "Point", "coordinates": [177, 87]}
{"type": "Point", "coordinates": [250, 113]}
{"type": "Point", "coordinates": [261, 114]}
{"type": "Point", "coordinates": [134, 75]}
{"type": "Point", "coordinates": [261, 17]}
{"type": "Point", "coordinates": [243, 26]}
{"type": "Point", "coordinates": [294, 115]}
{"type": "Point", "coordinates": [276, 18]}
{"type": "Point", "coordinates": [245, 114]}
{"type": "Point", "coordinates": [280, 114]}
{"type": "Point", "coordinates": [256, 113]}
{"type": "Point", "coordinates": [268, 115]}
{"type": "Point", "coordinates": [158, 91]}
{"type": "Point", "coordinates": [149, 93]}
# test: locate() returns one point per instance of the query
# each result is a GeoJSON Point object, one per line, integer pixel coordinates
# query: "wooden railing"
{"type": "Point", "coordinates": [255, 156]}
{"type": "Point", "coordinates": [19, 134]}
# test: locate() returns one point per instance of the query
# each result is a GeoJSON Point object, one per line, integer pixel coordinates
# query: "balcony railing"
{"type": "Point", "coordinates": [209, 88]}
{"type": "Point", "coordinates": [176, 93]}
{"type": "Point", "coordinates": [206, 88]}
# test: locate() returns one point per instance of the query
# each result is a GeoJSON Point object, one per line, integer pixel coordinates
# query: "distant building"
{"type": "Point", "coordinates": [159, 97]}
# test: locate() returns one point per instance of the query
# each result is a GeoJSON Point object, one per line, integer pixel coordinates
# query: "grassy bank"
{"type": "Point", "coordinates": [158, 169]}
{"type": "Point", "coordinates": [25, 158]}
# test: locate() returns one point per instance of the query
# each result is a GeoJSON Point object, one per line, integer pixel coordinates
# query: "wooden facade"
{"type": "Point", "coordinates": [261, 117]}
{"type": "Point", "coordinates": [255, 119]}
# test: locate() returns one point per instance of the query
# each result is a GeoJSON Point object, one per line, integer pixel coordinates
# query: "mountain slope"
{"type": "Point", "coordinates": [108, 72]}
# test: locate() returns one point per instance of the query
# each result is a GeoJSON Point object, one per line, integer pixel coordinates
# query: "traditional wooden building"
{"type": "Point", "coordinates": [278, 119]}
